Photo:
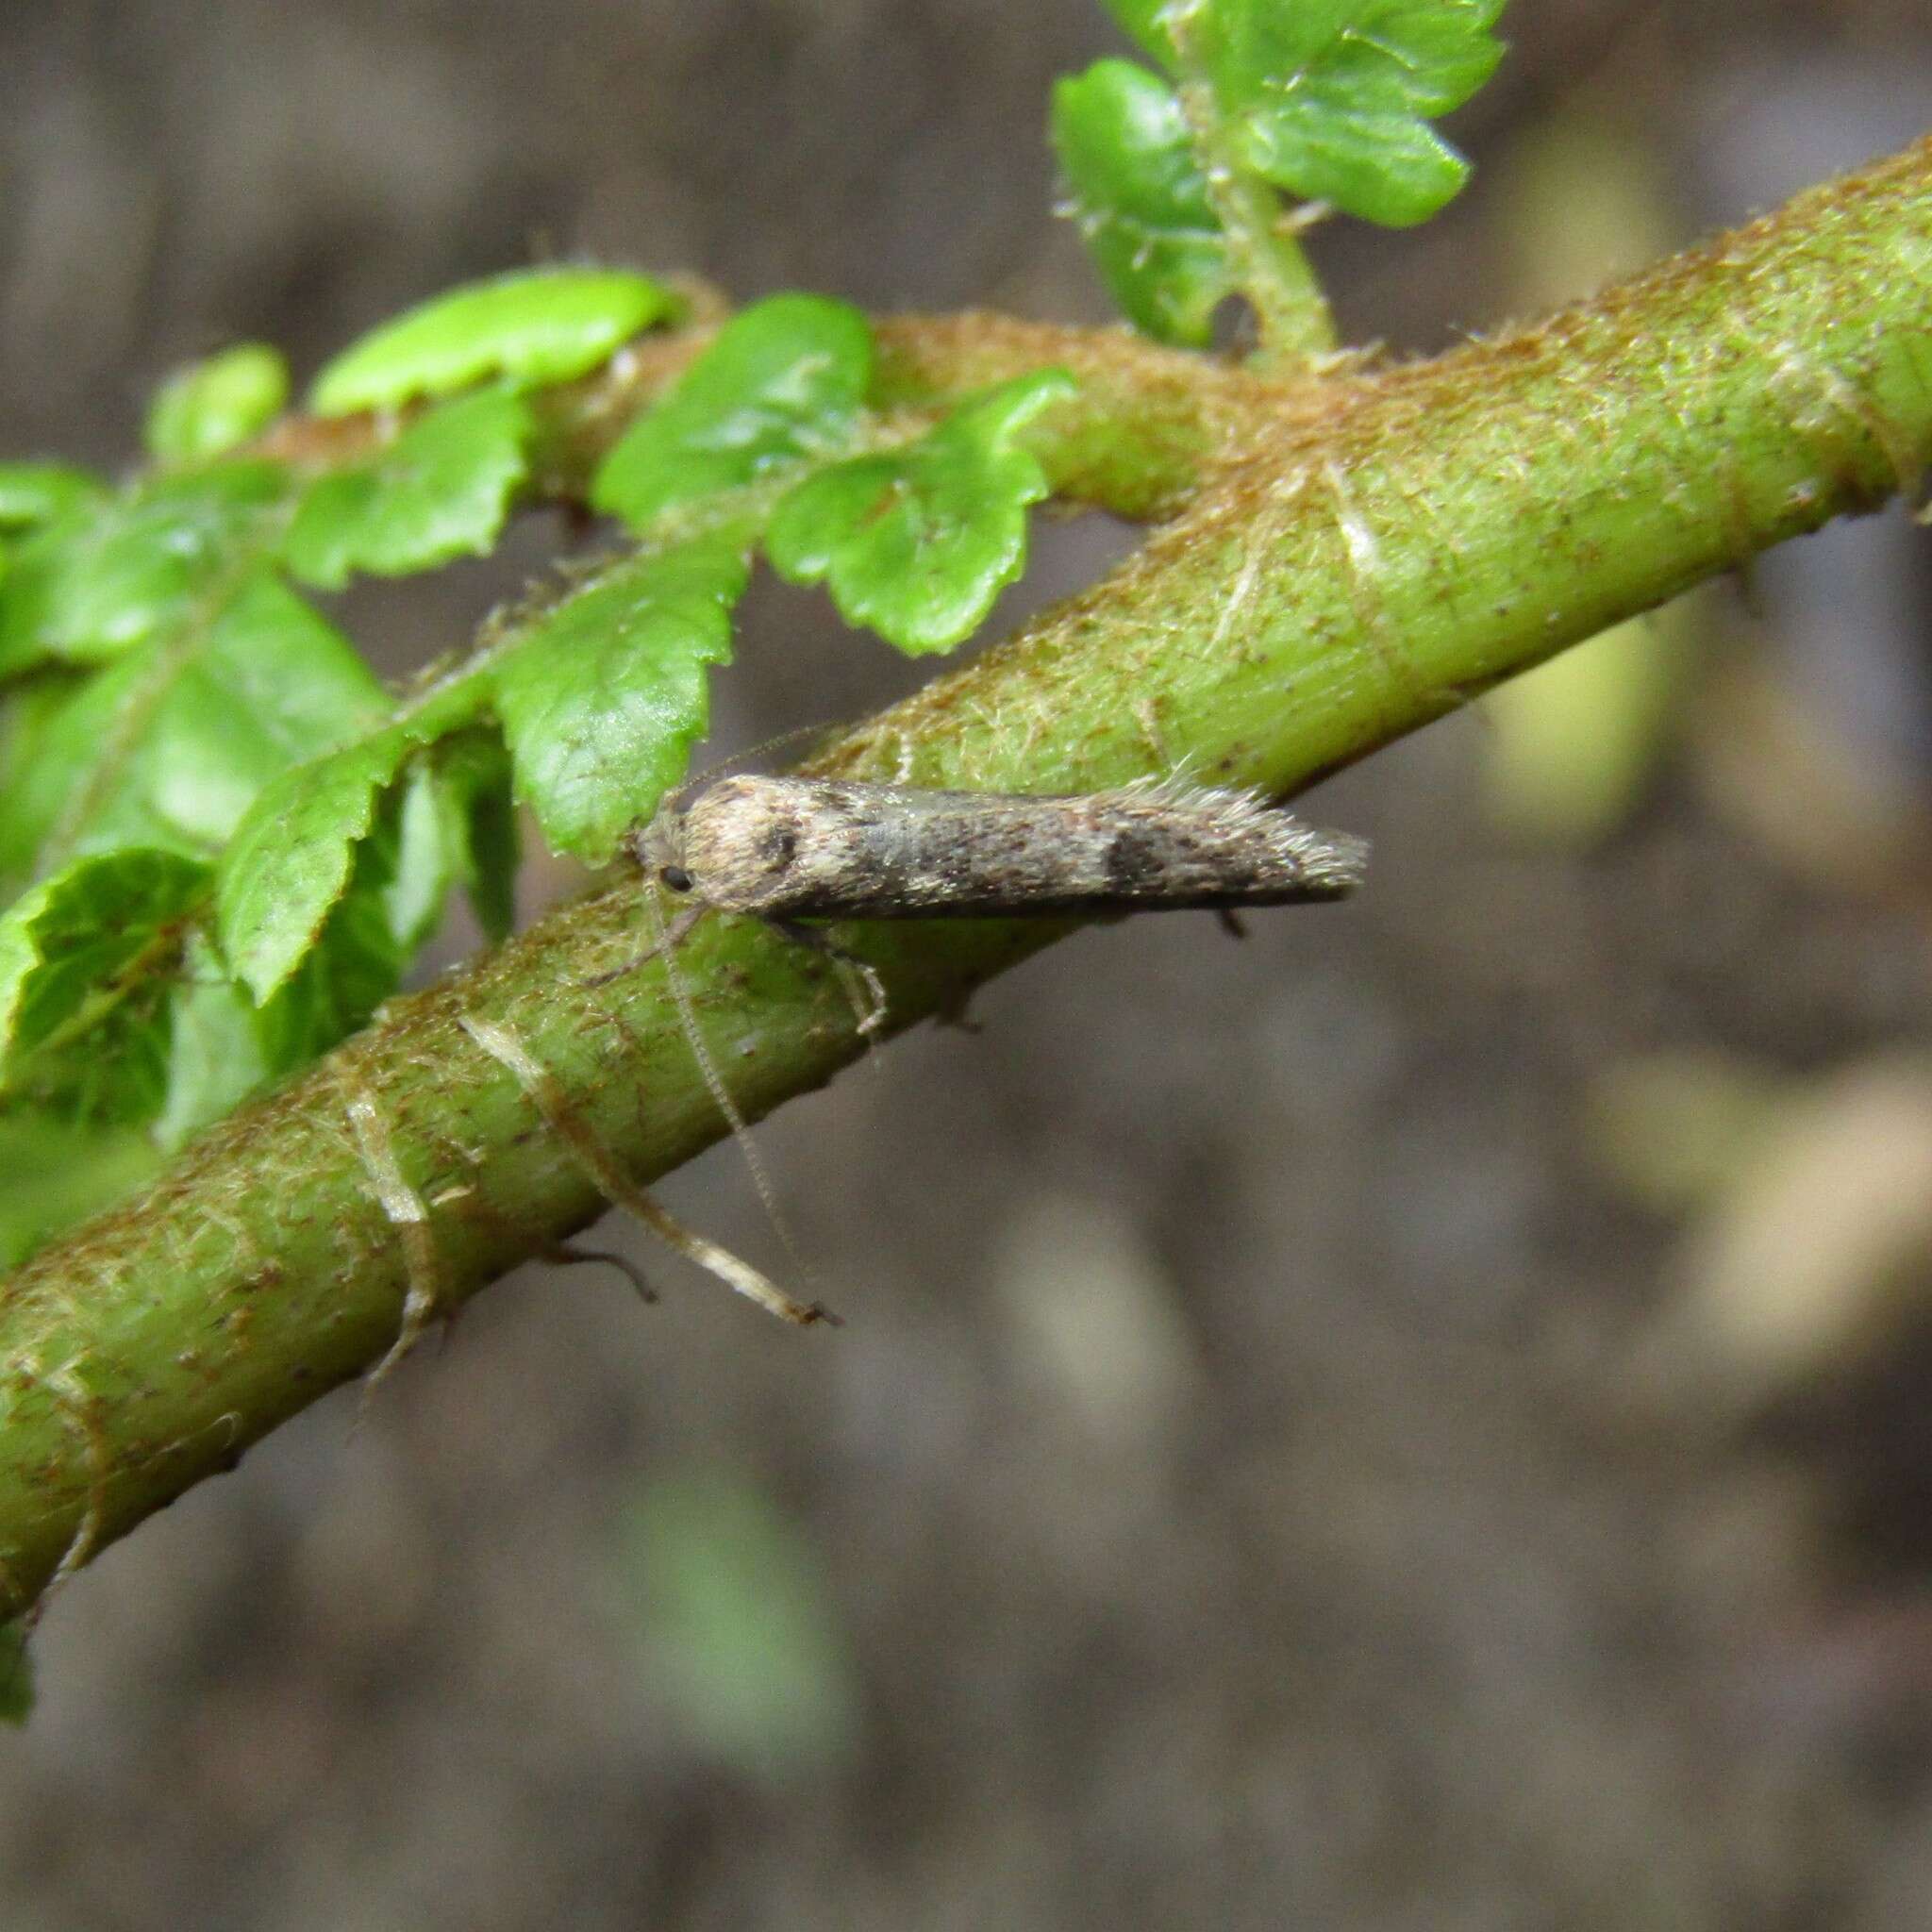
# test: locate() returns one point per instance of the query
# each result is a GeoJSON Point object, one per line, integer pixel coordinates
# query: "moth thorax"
{"type": "Point", "coordinates": [739, 840]}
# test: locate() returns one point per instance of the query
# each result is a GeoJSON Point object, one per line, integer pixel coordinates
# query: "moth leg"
{"type": "Point", "coordinates": [567, 1255]}
{"type": "Point", "coordinates": [871, 1018]}
{"type": "Point", "coordinates": [547, 1097]}
{"type": "Point", "coordinates": [1231, 923]}
{"type": "Point", "coordinates": [675, 934]}
{"type": "Point", "coordinates": [405, 1212]}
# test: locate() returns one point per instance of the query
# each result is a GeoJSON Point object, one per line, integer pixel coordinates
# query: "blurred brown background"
{"type": "Point", "coordinates": [1419, 1420]}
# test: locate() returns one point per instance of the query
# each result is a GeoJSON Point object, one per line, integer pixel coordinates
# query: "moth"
{"type": "Point", "coordinates": [789, 849]}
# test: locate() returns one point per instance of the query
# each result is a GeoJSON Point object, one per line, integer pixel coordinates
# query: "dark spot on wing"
{"type": "Point", "coordinates": [1135, 862]}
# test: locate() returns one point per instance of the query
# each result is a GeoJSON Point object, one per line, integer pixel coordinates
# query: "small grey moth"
{"type": "Point", "coordinates": [786, 849]}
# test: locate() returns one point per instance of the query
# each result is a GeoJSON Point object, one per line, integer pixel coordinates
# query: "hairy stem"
{"type": "Point", "coordinates": [1350, 560]}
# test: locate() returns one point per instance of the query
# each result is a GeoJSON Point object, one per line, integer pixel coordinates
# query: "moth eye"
{"type": "Point", "coordinates": [676, 878]}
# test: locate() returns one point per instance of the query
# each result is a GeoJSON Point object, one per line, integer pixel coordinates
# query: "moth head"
{"type": "Point", "coordinates": [659, 848]}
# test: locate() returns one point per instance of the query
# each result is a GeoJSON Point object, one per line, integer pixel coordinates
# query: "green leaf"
{"type": "Point", "coordinates": [36, 493]}
{"type": "Point", "coordinates": [599, 697]}
{"type": "Point", "coordinates": [533, 327]}
{"type": "Point", "coordinates": [28, 709]}
{"type": "Point", "coordinates": [1141, 200]}
{"type": "Point", "coordinates": [98, 581]}
{"type": "Point", "coordinates": [169, 747]}
{"type": "Point", "coordinates": [290, 858]}
{"type": "Point", "coordinates": [86, 965]}
{"type": "Point", "coordinates": [918, 543]}
{"type": "Point", "coordinates": [602, 701]}
{"type": "Point", "coordinates": [224, 1046]}
{"type": "Point", "coordinates": [206, 410]}
{"type": "Point", "coordinates": [1145, 23]}
{"type": "Point", "coordinates": [1331, 99]}
{"type": "Point", "coordinates": [54, 1173]}
{"type": "Point", "coordinates": [783, 383]}
{"type": "Point", "coordinates": [355, 962]}
{"type": "Point", "coordinates": [440, 490]}
{"type": "Point", "coordinates": [215, 1052]}
{"type": "Point", "coordinates": [474, 773]}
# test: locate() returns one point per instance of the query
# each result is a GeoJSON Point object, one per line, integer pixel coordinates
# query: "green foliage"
{"type": "Point", "coordinates": [205, 410]}
{"type": "Point", "coordinates": [36, 493]}
{"type": "Point", "coordinates": [231, 839]}
{"type": "Point", "coordinates": [440, 490]}
{"type": "Point", "coordinates": [1367, 76]}
{"type": "Point", "coordinates": [101, 577]}
{"type": "Point", "coordinates": [53, 1174]}
{"type": "Point", "coordinates": [168, 747]}
{"type": "Point", "coordinates": [1141, 200]}
{"type": "Point", "coordinates": [782, 384]}
{"type": "Point", "coordinates": [479, 825]}
{"type": "Point", "coordinates": [599, 698]}
{"type": "Point", "coordinates": [533, 327]}
{"type": "Point", "coordinates": [124, 791]}
{"type": "Point", "coordinates": [290, 861]}
{"type": "Point", "coordinates": [85, 979]}
{"type": "Point", "coordinates": [1326, 100]}
{"type": "Point", "coordinates": [602, 702]}
{"type": "Point", "coordinates": [225, 840]}
{"type": "Point", "coordinates": [917, 542]}
{"type": "Point", "coordinates": [1147, 24]}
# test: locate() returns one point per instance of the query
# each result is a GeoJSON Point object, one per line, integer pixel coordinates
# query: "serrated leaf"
{"type": "Point", "coordinates": [531, 327]}
{"type": "Point", "coordinates": [428, 860]}
{"type": "Point", "coordinates": [440, 490]}
{"type": "Point", "coordinates": [1331, 99]}
{"type": "Point", "coordinates": [604, 699]}
{"type": "Point", "coordinates": [474, 789]}
{"type": "Point", "coordinates": [289, 860]}
{"type": "Point", "coordinates": [36, 493]}
{"type": "Point", "coordinates": [169, 747]}
{"type": "Point", "coordinates": [1141, 200]}
{"type": "Point", "coordinates": [916, 543]}
{"type": "Point", "coordinates": [28, 710]}
{"type": "Point", "coordinates": [784, 382]}
{"type": "Point", "coordinates": [207, 409]}
{"type": "Point", "coordinates": [86, 965]}
{"type": "Point", "coordinates": [1145, 23]}
{"type": "Point", "coordinates": [353, 964]}
{"type": "Point", "coordinates": [375, 878]}
{"type": "Point", "coordinates": [103, 578]}
{"type": "Point", "coordinates": [216, 1053]}
{"type": "Point", "coordinates": [54, 1173]}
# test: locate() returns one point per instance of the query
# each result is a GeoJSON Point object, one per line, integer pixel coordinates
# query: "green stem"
{"type": "Point", "coordinates": [1270, 267]}
{"type": "Point", "coordinates": [1359, 556]}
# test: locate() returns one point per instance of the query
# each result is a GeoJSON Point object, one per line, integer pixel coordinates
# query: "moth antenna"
{"type": "Point", "coordinates": [868, 1013]}
{"type": "Point", "coordinates": [547, 1097]}
{"type": "Point", "coordinates": [714, 1080]}
{"type": "Point", "coordinates": [738, 761]}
